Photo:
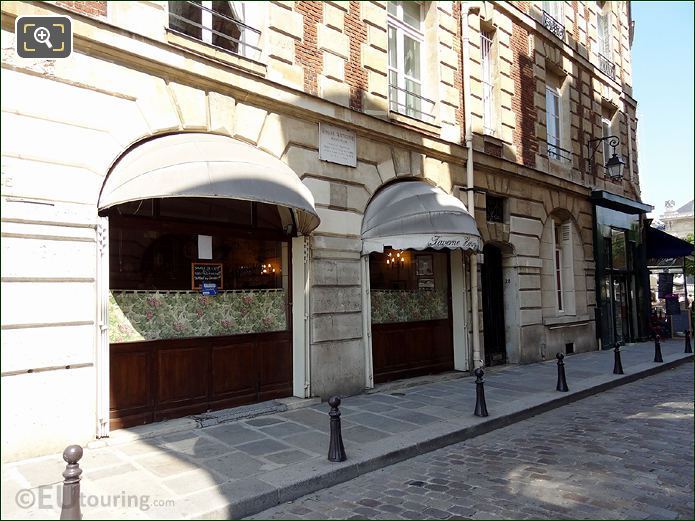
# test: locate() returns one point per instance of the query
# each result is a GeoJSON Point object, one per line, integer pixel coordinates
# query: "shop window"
{"type": "Point", "coordinates": [405, 61]}
{"type": "Point", "coordinates": [222, 24]}
{"type": "Point", "coordinates": [494, 209]}
{"type": "Point", "coordinates": [147, 259]}
{"type": "Point", "coordinates": [162, 251]}
{"type": "Point", "coordinates": [409, 286]}
{"type": "Point", "coordinates": [618, 250]}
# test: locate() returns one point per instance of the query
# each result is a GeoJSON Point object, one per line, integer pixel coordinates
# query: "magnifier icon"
{"type": "Point", "coordinates": [43, 35]}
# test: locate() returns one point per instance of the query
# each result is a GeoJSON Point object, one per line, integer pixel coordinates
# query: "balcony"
{"type": "Point", "coordinates": [606, 66]}
{"type": "Point", "coordinates": [558, 153]}
{"type": "Point", "coordinates": [411, 104]}
{"type": "Point", "coordinates": [214, 23]}
{"type": "Point", "coordinates": [553, 25]}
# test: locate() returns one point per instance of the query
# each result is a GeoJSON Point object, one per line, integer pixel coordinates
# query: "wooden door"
{"type": "Point", "coordinates": [493, 307]}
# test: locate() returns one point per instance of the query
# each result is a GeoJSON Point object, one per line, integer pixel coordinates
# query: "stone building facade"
{"type": "Point", "coordinates": [679, 221]}
{"type": "Point", "coordinates": [395, 76]}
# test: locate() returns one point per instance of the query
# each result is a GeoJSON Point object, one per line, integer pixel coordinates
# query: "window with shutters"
{"type": "Point", "coordinates": [558, 267]}
{"type": "Point", "coordinates": [563, 267]}
{"type": "Point", "coordinates": [222, 24]}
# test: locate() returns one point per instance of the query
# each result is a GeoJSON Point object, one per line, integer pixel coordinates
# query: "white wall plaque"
{"type": "Point", "coordinates": [337, 145]}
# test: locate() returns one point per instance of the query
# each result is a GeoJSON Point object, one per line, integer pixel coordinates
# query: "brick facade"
{"type": "Point", "coordinates": [523, 104]}
{"type": "Point", "coordinates": [307, 51]}
{"type": "Point", "coordinates": [88, 8]}
{"type": "Point", "coordinates": [355, 75]}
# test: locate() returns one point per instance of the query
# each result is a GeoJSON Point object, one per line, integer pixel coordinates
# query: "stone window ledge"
{"type": "Point", "coordinates": [194, 45]}
{"type": "Point", "coordinates": [567, 321]}
{"type": "Point", "coordinates": [414, 123]}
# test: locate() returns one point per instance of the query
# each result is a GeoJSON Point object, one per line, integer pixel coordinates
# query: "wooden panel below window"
{"type": "Point", "coordinates": [131, 384]}
{"type": "Point", "coordinates": [409, 349]}
{"type": "Point", "coordinates": [165, 379]}
{"type": "Point", "coordinates": [275, 367]}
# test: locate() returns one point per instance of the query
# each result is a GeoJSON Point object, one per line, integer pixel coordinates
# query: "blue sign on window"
{"type": "Point", "coordinates": [208, 288]}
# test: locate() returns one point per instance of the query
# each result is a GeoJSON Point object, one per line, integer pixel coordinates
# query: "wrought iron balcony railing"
{"type": "Point", "coordinates": [553, 25]}
{"type": "Point", "coordinates": [606, 66]}
{"type": "Point", "coordinates": [559, 154]}
{"type": "Point", "coordinates": [415, 105]}
{"type": "Point", "coordinates": [216, 27]}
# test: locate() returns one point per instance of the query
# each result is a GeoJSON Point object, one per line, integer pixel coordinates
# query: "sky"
{"type": "Point", "coordinates": [662, 74]}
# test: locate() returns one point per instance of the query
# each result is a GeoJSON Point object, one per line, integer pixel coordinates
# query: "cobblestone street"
{"type": "Point", "coordinates": [626, 453]}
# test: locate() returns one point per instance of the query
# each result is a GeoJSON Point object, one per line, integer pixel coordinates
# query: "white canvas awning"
{"type": "Point", "coordinates": [208, 165]}
{"type": "Point", "coordinates": [415, 215]}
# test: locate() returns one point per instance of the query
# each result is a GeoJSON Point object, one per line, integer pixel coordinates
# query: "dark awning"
{"type": "Point", "coordinates": [661, 245]}
{"type": "Point", "coordinates": [618, 202]}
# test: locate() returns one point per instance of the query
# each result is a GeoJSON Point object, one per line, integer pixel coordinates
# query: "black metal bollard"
{"type": "Point", "coordinates": [561, 378]}
{"type": "Point", "coordinates": [617, 364]}
{"type": "Point", "coordinates": [336, 449]}
{"type": "Point", "coordinates": [480, 405]}
{"type": "Point", "coordinates": [71, 485]}
{"type": "Point", "coordinates": [688, 345]}
{"type": "Point", "coordinates": [657, 349]}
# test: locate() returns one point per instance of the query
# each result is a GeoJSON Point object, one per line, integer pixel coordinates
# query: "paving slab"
{"type": "Point", "coordinates": [237, 468]}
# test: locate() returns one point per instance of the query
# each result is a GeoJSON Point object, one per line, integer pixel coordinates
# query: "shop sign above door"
{"type": "Point", "coordinates": [337, 145]}
{"type": "Point", "coordinates": [460, 241]}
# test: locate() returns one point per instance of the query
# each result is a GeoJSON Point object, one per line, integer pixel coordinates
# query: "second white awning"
{"type": "Point", "coordinates": [415, 215]}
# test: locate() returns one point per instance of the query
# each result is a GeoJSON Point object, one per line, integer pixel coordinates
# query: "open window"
{"type": "Point", "coordinates": [223, 24]}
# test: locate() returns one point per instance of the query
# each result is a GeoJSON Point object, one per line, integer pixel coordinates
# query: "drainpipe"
{"type": "Point", "coordinates": [466, 9]}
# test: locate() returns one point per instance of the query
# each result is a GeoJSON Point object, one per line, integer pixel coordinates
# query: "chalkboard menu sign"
{"type": "Point", "coordinates": [206, 272]}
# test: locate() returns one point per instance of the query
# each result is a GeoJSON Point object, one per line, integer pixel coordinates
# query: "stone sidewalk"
{"type": "Point", "coordinates": [239, 468]}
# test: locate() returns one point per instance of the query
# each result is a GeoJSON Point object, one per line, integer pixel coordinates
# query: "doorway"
{"type": "Point", "coordinates": [410, 314]}
{"type": "Point", "coordinates": [493, 306]}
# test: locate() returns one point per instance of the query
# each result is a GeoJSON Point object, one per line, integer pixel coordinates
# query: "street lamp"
{"type": "Point", "coordinates": [614, 166]}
